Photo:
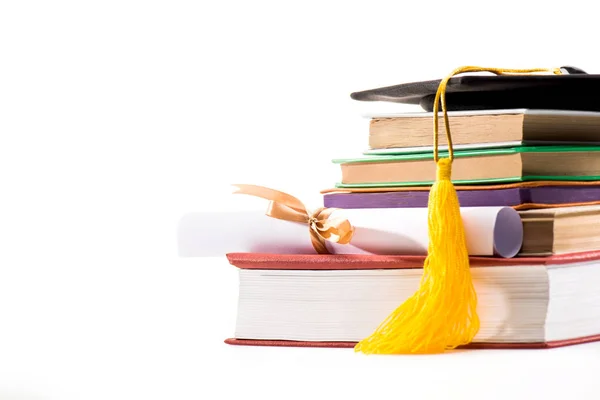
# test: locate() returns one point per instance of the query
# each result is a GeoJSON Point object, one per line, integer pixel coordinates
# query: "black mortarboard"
{"type": "Point", "coordinates": [574, 89]}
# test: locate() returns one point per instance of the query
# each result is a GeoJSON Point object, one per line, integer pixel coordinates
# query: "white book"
{"type": "Point", "coordinates": [331, 299]}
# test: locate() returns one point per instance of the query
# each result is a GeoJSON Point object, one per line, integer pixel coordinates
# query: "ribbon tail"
{"type": "Point", "coordinates": [272, 195]}
{"type": "Point", "coordinates": [318, 242]}
{"type": "Point", "coordinates": [281, 211]}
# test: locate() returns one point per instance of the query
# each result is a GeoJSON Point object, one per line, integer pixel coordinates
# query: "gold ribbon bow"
{"type": "Point", "coordinates": [287, 207]}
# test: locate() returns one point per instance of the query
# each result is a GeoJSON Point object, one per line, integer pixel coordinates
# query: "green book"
{"type": "Point", "coordinates": [485, 166]}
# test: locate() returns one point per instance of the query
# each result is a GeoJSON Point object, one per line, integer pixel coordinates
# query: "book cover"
{"type": "Point", "coordinates": [309, 263]}
{"type": "Point", "coordinates": [468, 153]}
{"type": "Point", "coordinates": [474, 153]}
{"type": "Point", "coordinates": [519, 196]}
{"type": "Point", "coordinates": [402, 133]}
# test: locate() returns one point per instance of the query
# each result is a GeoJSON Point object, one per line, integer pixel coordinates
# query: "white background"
{"type": "Point", "coordinates": [117, 117]}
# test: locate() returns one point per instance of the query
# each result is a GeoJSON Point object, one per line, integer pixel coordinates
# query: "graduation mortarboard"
{"type": "Point", "coordinates": [573, 89]}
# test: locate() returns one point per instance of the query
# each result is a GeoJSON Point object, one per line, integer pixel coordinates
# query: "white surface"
{"type": "Point", "coordinates": [116, 119]}
{"type": "Point", "coordinates": [488, 231]}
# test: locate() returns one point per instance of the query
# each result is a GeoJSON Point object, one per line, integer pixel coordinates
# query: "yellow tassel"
{"type": "Point", "coordinates": [441, 315]}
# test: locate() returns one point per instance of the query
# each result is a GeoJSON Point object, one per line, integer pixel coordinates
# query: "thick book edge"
{"type": "Point", "coordinates": [558, 178]}
{"type": "Point", "coordinates": [487, 112]}
{"type": "Point", "coordinates": [360, 261]}
{"type": "Point", "coordinates": [468, 153]}
{"type": "Point", "coordinates": [512, 345]}
{"type": "Point", "coordinates": [523, 184]}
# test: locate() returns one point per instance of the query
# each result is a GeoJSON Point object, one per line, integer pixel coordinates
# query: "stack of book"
{"type": "Point", "coordinates": [543, 163]}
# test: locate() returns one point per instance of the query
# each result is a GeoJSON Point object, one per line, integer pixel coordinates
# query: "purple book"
{"type": "Point", "coordinates": [468, 198]}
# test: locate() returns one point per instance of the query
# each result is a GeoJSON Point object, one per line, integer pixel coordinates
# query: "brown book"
{"type": "Point", "coordinates": [337, 300]}
{"type": "Point", "coordinates": [495, 126]}
{"type": "Point", "coordinates": [561, 230]}
{"type": "Point", "coordinates": [475, 166]}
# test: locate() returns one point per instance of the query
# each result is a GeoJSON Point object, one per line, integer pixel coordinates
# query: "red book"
{"type": "Point", "coordinates": [336, 300]}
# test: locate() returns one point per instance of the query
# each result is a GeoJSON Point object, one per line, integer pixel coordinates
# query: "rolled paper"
{"type": "Point", "coordinates": [490, 231]}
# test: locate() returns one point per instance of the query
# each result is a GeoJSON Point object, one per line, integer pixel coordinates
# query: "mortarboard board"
{"type": "Point", "coordinates": [573, 89]}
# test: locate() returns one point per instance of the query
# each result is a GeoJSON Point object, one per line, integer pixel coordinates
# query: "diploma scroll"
{"type": "Point", "coordinates": [490, 231]}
